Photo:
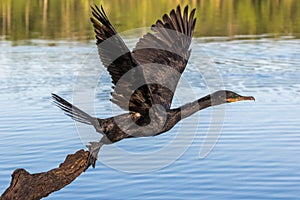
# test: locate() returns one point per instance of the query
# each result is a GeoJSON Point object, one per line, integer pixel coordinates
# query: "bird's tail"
{"type": "Point", "coordinates": [72, 111]}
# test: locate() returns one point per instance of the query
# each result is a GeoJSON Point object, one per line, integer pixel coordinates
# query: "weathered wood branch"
{"type": "Point", "coordinates": [36, 186]}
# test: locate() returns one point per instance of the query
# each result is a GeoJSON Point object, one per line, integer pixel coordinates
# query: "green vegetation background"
{"type": "Point", "coordinates": [69, 19]}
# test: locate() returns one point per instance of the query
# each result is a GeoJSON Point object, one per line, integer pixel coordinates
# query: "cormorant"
{"type": "Point", "coordinates": [161, 56]}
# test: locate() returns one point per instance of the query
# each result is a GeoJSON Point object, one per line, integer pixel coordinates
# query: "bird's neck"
{"type": "Point", "coordinates": [190, 108]}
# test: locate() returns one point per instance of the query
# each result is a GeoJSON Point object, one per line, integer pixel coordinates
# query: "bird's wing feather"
{"type": "Point", "coordinates": [119, 61]}
{"type": "Point", "coordinates": [165, 53]}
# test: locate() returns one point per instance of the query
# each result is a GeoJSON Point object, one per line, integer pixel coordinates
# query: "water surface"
{"type": "Point", "coordinates": [257, 154]}
{"type": "Point", "coordinates": [48, 46]}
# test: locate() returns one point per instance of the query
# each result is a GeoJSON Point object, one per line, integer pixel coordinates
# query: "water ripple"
{"type": "Point", "coordinates": [257, 154]}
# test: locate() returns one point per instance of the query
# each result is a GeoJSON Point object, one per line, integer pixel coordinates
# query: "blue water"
{"type": "Point", "coordinates": [257, 155]}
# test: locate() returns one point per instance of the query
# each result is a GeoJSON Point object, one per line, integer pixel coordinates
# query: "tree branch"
{"type": "Point", "coordinates": [36, 186]}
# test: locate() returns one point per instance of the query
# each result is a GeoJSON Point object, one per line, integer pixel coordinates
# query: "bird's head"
{"type": "Point", "coordinates": [225, 96]}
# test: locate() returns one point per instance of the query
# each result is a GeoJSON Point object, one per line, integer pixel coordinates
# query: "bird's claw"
{"type": "Point", "coordinates": [93, 148]}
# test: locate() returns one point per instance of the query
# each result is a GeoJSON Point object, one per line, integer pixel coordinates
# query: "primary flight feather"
{"type": "Point", "coordinates": [145, 79]}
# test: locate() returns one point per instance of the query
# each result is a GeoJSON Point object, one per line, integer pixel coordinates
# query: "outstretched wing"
{"type": "Point", "coordinates": [165, 53]}
{"type": "Point", "coordinates": [119, 61]}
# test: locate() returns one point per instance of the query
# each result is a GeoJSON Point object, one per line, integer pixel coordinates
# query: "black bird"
{"type": "Point", "coordinates": [159, 57]}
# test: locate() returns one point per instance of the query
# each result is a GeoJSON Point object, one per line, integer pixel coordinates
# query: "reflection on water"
{"type": "Point", "coordinates": [65, 19]}
{"type": "Point", "coordinates": [257, 156]}
{"type": "Point", "coordinates": [258, 151]}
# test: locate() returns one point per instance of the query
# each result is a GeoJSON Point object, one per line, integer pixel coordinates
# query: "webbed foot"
{"type": "Point", "coordinates": [94, 148]}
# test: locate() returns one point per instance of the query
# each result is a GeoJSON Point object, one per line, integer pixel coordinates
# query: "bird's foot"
{"type": "Point", "coordinates": [94, 148]}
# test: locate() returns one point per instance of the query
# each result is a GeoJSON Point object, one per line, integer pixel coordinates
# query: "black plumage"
{"type": "Point", "coordinates": [145, 79]}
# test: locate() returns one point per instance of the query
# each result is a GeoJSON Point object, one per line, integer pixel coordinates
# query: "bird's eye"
{"type": "Point", "coordinates": [233, 96]}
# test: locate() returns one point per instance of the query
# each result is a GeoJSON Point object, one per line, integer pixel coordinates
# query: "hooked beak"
{"type": "Point", "coordinates": [241, 98]}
